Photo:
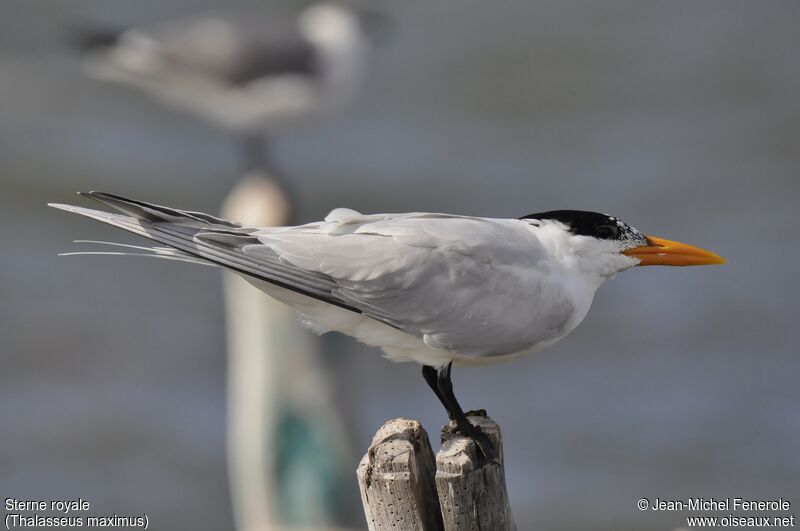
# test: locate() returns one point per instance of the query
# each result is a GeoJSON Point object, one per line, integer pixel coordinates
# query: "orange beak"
{"type": "Point", "coordinates": [666, 252]}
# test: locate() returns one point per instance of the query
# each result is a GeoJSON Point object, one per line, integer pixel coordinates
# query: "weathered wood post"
{"type": "Point", "coordinates": [396, 479]}
{"type": "Point", "coordinates": [472, 492]}
{"type": "Point", "coordinates": [400, 491]}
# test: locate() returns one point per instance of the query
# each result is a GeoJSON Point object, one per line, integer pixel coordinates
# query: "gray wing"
{"type": "Point", "coordinates": [207, 239]}
{"type": "Point", "coordinates": [475, 286]}
{"type": "Point", "coordinates": [235, 50]}
{"type": "Point", "coordinates": [215, 46]}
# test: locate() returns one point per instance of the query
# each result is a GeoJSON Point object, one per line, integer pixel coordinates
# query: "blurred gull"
{"type": "Point", "coordinates": [249, 73]}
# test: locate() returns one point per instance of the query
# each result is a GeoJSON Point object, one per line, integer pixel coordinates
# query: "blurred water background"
{"type": "Point", "coordinates": [682, 118]}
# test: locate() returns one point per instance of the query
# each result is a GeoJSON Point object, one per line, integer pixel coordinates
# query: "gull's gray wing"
{"type": "Point", "coordinates": [233, 50]}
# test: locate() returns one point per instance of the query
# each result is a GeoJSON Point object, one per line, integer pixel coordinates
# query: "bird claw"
{"type": "Point", "coordinates": [482, 441]}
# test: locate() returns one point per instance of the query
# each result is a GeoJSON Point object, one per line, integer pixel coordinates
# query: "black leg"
{"type": "Point", "coordinates": [257, 161]}
{"type": "Point", "coordinates": [432, 379]}
{"type": "Point", "coordinates": [463, 425]}
{"type": "Point", "coordinates": [255, 152]}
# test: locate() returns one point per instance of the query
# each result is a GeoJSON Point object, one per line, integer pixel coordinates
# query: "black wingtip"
{"type": "Point", "coordinates": [97, 196]}
{"type": "Point", "coordinates": [86, 38]}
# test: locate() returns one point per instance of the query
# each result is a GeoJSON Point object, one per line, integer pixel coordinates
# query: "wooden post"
{"type": "Point", "coordinates": [400, 492]}
{"type": "Point", "coordinates": [472, 492]}
{"type": "Point", "coordinates": [265, 343]}
{"type": "Point", "coordinates": [255, 325]}
{"type": "Point", "coordinates": [396, 479]}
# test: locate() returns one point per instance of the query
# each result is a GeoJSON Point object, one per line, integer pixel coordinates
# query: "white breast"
{"type": "Point", "coordinates": [399, 346]}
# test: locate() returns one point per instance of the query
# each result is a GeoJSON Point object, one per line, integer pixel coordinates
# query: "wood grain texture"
{"type": "Point", "coordinates": [472, 491]}
{"type": "Point", "coordinates": [403, 488]}
{"type": "Point", "coordinates": [396, 479]}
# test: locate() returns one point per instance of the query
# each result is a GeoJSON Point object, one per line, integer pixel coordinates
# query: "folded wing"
{"type": "Point", "coordinates": [459, 283]}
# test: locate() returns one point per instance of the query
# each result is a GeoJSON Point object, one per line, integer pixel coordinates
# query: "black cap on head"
{"type": "Point", "coordinates": [593, 224]}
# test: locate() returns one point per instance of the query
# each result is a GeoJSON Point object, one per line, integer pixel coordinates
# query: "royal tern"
{"type": "Point", "coordinates": [437, 289]}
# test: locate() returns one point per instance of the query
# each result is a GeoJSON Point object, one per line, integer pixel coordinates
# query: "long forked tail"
{"type": "Point", "coordinates": [190, 236]}
{"type": "Point", "coordinates": [139, 217]}
{"type": "Point", "coordinates": [200, 238]}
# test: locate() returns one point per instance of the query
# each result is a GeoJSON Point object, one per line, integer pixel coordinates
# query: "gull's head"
{"type": "Point", "coordinates": [332, 22]}
{"type": "Point", "coordinates": [603, 245]}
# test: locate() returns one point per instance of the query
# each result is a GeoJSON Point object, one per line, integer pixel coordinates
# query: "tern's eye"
{"type": "Point", "coordinates": [608, 232]}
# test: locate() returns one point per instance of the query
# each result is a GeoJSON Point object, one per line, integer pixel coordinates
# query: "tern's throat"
{"type": "Point", "coordinates": [592, 259]}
